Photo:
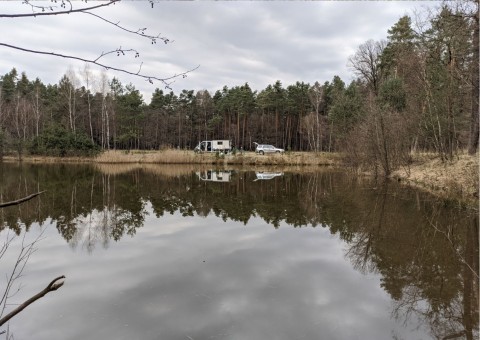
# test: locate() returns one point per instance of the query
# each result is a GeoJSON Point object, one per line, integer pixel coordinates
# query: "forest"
{"type": "Point", "coordinates": [415, 91]}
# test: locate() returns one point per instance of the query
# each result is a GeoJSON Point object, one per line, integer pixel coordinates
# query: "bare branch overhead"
{"type": "Point", "coordinates": [49, 10]}
{"type": "Point", "coordinates": [66, 7]}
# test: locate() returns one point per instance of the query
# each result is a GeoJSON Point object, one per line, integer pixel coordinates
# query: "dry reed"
{"type": "Point", "coordinates": [172, 156]}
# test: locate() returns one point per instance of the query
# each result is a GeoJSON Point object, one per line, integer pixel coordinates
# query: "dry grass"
{"type": "Point", "coordinates": [46, 159]}
{"type": "Point", "coordinates": [150, 157]}
{"type": "Point", "coordinates": [172, 156]}
{"type": "Point", "coordinates": [189, 157]}
{"type": "Point", "coordinates": [458, 178]}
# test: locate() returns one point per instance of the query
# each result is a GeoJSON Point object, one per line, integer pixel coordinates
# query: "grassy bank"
{"type": "Point", "coordinates": [456, 179]}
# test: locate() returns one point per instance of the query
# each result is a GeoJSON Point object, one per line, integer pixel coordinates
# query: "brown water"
{"type": "Point", "coordinates": [172, 252]}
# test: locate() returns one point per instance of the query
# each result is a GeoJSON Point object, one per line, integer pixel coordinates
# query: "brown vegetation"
{"type": "Point", "coordinates": [458, 178]}
{"type": "Point", "coordinates": [189, 157]}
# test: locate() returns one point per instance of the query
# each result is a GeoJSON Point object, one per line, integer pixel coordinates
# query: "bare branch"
{"type": "Point", "coordinates": [51, 10]}
{"type": "Point", "coordinates": [140, 68]}
{"type": "Point", "coordinates": [52, 286]}
{"type": "Point", "coordinates": [119, 51]}
{"type": "Point", "coordinates": [166, 81]}
{"type": "Point", "coordinates": [43, 8]}
{"type": "Point", "coordinates": [43, 13]}
{"type": "Point", "coordinates": [139, 32]}
{"type": "Point", "coordinates": [20, 200]}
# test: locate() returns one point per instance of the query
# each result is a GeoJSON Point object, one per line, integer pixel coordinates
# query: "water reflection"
{"type": "Point", "coordinates": [426, 253]}
{"type": "Point", "coordinates": [215, 175]}
{"type": "Point", "coordinates": [267, 175]}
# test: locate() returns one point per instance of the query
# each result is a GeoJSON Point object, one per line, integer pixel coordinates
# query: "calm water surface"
{"type": "Point", "coordinates": [159, 252]}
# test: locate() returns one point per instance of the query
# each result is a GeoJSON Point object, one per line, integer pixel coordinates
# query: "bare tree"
{"type": "Point", "coordinates": [316, 98]}
{"type": "Point", "coordinates": [105, 119]}
{"type": "Point", "coordinates": [366, 63]}
{"type": "Point", "coordinates": [70, 94]}
{"type": "Point", "coordinates": [37, 113]}
{"type": "Point", "coordinates": [87, 78]}
{"type": "Point", "coordinates": [474, 118]}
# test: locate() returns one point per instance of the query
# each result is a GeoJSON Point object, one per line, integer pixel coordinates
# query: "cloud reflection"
{"type": "Point", "coordinates": [199, 278]}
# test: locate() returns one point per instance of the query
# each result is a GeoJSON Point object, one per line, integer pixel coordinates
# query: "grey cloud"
{"type": "Point", "coordinates": [233, 42]}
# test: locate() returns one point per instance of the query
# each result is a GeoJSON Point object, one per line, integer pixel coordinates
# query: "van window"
{"type": "Point", "coordinates": [220, 143]}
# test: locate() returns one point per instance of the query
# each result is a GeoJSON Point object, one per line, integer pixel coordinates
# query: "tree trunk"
{"type": "Point", "coordinates": [474, 121]}
{"type": "Point", "coordinates": [90, 116]}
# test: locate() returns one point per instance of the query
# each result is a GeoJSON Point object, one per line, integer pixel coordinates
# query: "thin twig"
{"type": "Point", "coordinates": [71, 10]}
{"type": "Point", "coordinates": [139, 32]}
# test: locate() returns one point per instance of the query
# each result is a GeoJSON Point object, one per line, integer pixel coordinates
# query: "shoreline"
{"type": "Point", "coordinates": [171, 156]}
{"type": "Point", "coordinates": [457, 179]}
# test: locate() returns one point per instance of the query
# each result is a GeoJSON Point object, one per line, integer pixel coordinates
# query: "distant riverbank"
{"type": "Point", "coordinates": [172, 156]}
{"type": "Point", "coordinates": [458, 178]}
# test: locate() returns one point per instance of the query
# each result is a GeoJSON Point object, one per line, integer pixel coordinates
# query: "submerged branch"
{"type": "Point", "coordinates": [20, 200]}
{"type": "Point", "coordinates": [52, 286]}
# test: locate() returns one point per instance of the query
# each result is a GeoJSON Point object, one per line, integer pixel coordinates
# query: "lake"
{"type": "Point", "coordinates": [190, 253]}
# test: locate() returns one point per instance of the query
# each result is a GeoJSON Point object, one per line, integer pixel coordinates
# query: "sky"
{"type": "Point", "coordinates": [231, 42]}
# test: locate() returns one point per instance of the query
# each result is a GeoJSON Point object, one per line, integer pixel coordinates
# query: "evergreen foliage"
{"type": "Point", "coordinates": [422, 81]}
{"type": "Point", "coordinates": [58, 141]}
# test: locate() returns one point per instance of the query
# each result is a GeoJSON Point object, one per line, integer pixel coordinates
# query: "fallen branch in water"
{"type": "Point", "coordinates": [52, 286]}
{"type": "Point", "coordinates": [20, 200]}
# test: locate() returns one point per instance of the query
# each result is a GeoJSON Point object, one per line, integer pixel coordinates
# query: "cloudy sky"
{"type": "Point", "coordinates": [257, 42]}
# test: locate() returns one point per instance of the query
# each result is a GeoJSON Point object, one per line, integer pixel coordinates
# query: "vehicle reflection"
{"type": "Point", "coordinates": [215, 175]}
{"type": "Point", "coordinates": [267, 175]}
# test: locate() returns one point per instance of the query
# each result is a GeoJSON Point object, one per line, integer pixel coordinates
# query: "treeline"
{"type": "Point", "coordinates": [416, 90]}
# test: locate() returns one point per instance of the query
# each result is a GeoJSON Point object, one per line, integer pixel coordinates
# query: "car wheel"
{"type": "Point", "coordinates": [278, 151]}
{"type": "Point", "coordinates": [262, 153]}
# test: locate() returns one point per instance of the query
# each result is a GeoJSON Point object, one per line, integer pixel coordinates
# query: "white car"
{"type": "Point", "coordinates": [267, 148]}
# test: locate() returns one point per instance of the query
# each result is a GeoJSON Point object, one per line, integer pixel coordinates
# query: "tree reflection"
{"type": "Point", "coordinates": [428, 262]}
{"type": "Point", "coordinates": [426, 253]}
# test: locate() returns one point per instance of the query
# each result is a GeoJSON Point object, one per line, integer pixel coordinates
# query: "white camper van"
{"type": "Point", "coordinates": [213, 146]}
